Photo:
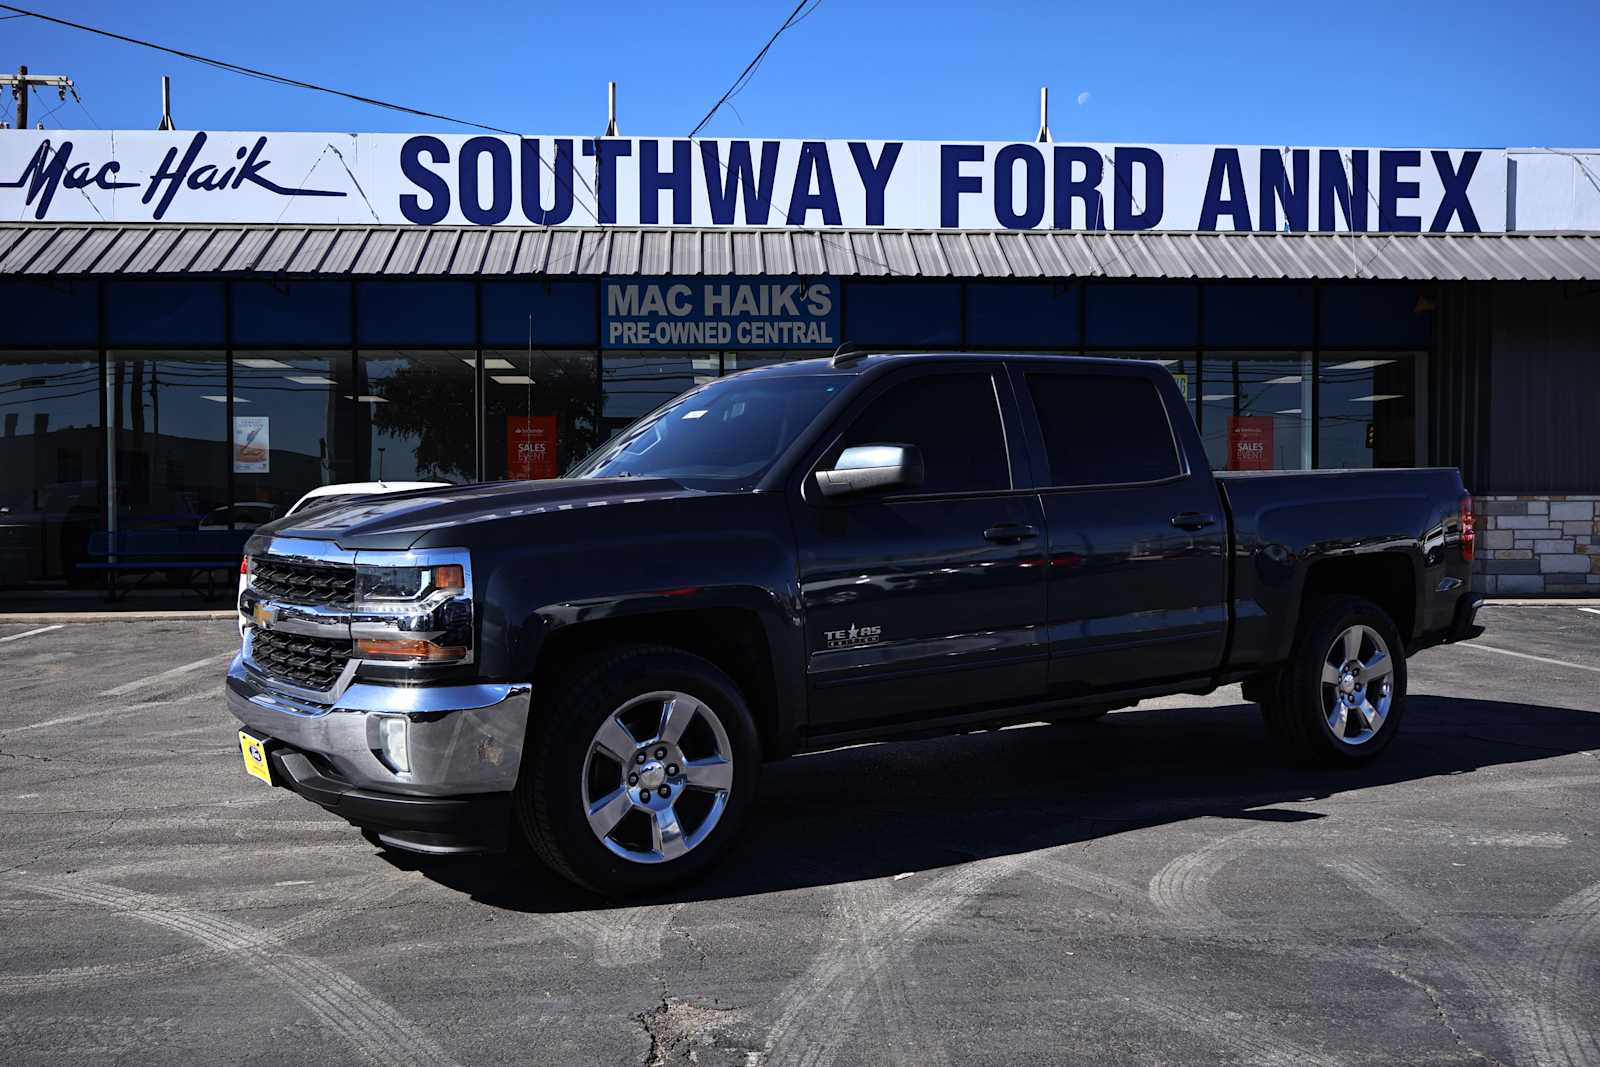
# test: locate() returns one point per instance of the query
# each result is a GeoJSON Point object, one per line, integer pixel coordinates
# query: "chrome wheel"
{"type": "Point", "coordinates": [657, 776]}
{"type": "Point", "coordinates": [1357, 685]}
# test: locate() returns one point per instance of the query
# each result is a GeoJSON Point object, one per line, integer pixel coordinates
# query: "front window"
{"type": "Point", "coordinates": [724, 435]}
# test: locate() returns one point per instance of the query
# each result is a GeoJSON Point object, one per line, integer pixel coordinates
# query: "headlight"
{"type": "Point", "coordinates": [377, 587]}
{"type": "Point", "coordinates": [413, 607]}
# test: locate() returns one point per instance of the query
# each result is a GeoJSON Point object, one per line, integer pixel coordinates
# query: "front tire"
{"type": "Point", "coordinates": [1342, 695]}
{"type": "Point", "coordinates": [639, 770]}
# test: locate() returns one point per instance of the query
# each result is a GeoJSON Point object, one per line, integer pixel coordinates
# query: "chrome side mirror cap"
{"type": "Point", "coordinates": [868, 468]}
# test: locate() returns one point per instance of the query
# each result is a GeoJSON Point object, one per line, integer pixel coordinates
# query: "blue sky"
{"type": "Point", "coordinates": [1390, 73]}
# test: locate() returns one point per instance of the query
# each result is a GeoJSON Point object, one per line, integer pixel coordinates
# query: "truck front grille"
{"type": "Point", "coordinates": [313, 663]}
{"type": "Point", "coordinates": [333, 584]}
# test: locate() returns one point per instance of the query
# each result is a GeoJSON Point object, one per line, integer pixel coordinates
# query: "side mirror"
{"type": "Point", "coordinates": [872, 467]}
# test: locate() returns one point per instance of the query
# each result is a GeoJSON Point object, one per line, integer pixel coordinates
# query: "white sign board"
{"type": "Point", "coordinates": [398, 179]}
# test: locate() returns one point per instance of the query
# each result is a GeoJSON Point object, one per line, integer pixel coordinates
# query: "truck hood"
{"type": "Point", "coordinates": [399, 520]}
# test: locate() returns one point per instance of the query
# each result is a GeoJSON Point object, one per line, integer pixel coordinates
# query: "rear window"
{"type": "Point", "coordinates": [1103, 429]}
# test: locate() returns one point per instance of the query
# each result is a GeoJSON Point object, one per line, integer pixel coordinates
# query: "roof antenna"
{"type": "Point", "coordinates": [611, 110]}
{"type": "Point", "coordinates": [848, 353]}
{"type": "Point", "coordinates": [1044, 115]}
{"type": "Point", "coordinates": [166, 104]}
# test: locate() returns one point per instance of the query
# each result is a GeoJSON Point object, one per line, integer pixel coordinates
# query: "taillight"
{"type": "Point", "coordinates": [1469, 532]}
{"type": "Point", "coordinates": [244, 565]}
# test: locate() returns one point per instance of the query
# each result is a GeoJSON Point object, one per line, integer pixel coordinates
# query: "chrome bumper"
{"type": "Point", "coordinates": [461, 738]}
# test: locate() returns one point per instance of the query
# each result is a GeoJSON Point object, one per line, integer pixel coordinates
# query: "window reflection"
{"type": "Point", "coordinates": [1256, 410]}
{"type": "Point", "coordinates": [50, 446]}
{"type": "Point", "coordinates": [169, 432]}
{"type": "Point", "coordinates": [638, 383]}
{"type": "Point", "coordinates": [542, 412]}
{"type": "Point", "coordinates": [292, 429]}
{"type": "Point", "coordinates": [416, 415]}
{"type": "Point", "coordinates": [1367, 411]}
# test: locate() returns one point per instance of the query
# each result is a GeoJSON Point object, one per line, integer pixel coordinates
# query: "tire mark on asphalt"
{"type": "Point", "coordinates": [1064, 874]}
{"type": "Point", "coordinates": [1554, 956]}
{"type": "Point", "coordinates": [1181, 890]}
{"type": "Point", "coordinates": [379, 1033]}
{"type": "Point", "coordinates": [1249, 1041]}
{"type": "Point", "coordinates": [817, 1014]}
{"type": "Point", "coordinates": [372, 890]}
{"type": "Point", "coordinates": [1501, 986]}
{"type": "Point", "coordinates": [628, 936]}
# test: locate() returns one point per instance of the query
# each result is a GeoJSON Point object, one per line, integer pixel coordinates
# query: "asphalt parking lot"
{"type": "Point", "coordinates": [1154, 888]}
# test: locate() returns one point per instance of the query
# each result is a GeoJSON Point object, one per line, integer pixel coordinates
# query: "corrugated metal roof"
{"type": "Point", "coordinates": [105, 248]}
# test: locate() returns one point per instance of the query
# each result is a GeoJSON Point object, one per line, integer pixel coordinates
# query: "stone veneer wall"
{"type": "Point", "coordinates": [1538, 545]}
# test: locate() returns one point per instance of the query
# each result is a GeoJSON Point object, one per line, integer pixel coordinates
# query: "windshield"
{"type": "Point", "coordinates": [325, 500]}
{"type": "Point", "coordinates": [724, 435]}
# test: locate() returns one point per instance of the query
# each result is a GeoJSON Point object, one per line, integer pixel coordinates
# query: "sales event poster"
{"type": "Point", "coordinates": [252, 449]}
{"type": "Point", "coordinates": [1250, 442]}
{"type": "Point", "coordinates": [530, 447]}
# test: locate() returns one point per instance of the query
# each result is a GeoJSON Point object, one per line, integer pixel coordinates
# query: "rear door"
{"type": "Point", "coordinates": [1137, 587]}
{"type": "Point", "coordinates": [925, 601]}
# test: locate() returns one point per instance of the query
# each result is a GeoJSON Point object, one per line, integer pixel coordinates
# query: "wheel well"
{"type": "Point", "coordinates": [730, 638]}
{"type": "Point", "coordinates": [1388, 579]}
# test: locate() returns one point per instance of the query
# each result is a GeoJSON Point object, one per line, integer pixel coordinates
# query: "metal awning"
{"type": "Point", "coordinates": [388, 251]}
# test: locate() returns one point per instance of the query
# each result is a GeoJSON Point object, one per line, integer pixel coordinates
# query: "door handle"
{"type": "Point", "coordinates": [1010, 533]}
{"type": "Point", "coordinates": [1193, 520]}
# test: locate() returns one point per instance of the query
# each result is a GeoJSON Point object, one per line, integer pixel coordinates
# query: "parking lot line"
{"type": "Point", "coordinates": [1523, 655]}
{"type": "Point", "coordinates": [140, 683]}
{"type": "Point", "coordinates": [1591, 611]}
{"type": "Point", "coordinates": [30, 633]}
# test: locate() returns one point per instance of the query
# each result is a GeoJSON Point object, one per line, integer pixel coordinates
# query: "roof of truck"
{"type": "Point", "coordinates": [856, 362]}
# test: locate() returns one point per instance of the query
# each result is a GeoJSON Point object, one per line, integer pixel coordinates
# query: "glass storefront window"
{"type": "Point", "coordinates": [541, 410]}
{"type": "Point", "coordinates": [50, 446]}
{"type": "Point", "coordinates": [734, 362]}
{"type": "Point", "coordinates": [1367, 409]}
{"type": "Point", "coordinates": [292, 429]}
{"type": "Point", "coordinates": [416, 416]}
{"type": "Point", "coordinates": [169, 428]}
{"type": "Point", "coordinates": [636, 383]}
{"type": "Point", "coordinates": [1256, 410]}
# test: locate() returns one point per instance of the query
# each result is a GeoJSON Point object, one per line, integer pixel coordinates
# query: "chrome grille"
{"type": "Point", "coordinates": [333, 584]}
{"type": "Point", "coordinates": [313, 663]}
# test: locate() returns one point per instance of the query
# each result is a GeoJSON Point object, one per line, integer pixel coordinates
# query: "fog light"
{"type": "Point", "coordinates": [393, 744]}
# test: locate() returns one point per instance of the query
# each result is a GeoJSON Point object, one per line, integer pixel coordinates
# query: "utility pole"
{"type": "Point", "coordinates": [22, 81]}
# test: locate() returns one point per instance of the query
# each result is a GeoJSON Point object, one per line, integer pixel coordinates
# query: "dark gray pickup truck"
{"type": "Point", "coordinates": [812, 554]}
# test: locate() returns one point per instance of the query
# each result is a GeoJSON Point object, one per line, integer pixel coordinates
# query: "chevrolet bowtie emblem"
{"type": "Point", "coordinates": [263, 615]}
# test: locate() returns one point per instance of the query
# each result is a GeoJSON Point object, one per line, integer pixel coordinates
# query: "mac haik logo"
{"type": "Point", "coordinates": [854, 637]}
{"type": "Point", "coordinates": [51, 169]}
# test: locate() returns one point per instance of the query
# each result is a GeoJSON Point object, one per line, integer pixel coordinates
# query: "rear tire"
{"type": "Point", "coordinates": [1340, 698]}
{"type": "Point", "coordinates": [639, 770]}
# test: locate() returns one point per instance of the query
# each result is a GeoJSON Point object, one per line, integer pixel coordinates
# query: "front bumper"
{"type": "Point", "coordinates": [464, 748]}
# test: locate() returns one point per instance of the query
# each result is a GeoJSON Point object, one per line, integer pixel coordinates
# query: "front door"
{"type": "Point", "coordinates": [925, 601]}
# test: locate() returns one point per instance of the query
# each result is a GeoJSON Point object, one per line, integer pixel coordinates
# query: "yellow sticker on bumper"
{"type": "Point", "coordinates": [255, 757]}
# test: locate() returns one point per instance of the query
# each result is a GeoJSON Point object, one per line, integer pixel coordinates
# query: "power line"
{"type": "Point", "coordinates": [749, 69]}
{"type": "Point", "coordinates": [235, 68]}
{"type": "Point", "coordinates": [294, 83]}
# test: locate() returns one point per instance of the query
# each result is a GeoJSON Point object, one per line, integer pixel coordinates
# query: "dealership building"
{"type": "Point", "coordinates": [197, 328]}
